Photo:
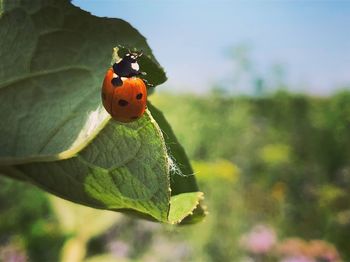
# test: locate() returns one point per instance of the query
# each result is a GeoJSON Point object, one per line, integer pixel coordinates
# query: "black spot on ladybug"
{"type": "Point", "coordinates": [103, 96]}
{"type": "Point", "coordinates": [123, 102]}
{"type": "Point", "coordinates": [139, 96]}
{"type": "Point", "coordinates": [134, 117]}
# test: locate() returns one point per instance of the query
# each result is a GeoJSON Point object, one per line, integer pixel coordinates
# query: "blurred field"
{"type": "Point", "coordinates": [275, 171]}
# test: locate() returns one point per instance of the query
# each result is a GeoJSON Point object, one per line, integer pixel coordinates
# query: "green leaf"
{"type": "Point", "coordinates": [53, 60]}
{"type": "Point", "coordinates": [183, 205]}
{"type": "Point", "coordinates": [182, 177]}
{"type": "Point", "coordinates": [125, 167]}
{"type": "Point", "coordinates": [55, 133]}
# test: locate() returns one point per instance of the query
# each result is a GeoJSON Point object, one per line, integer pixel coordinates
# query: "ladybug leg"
{"type": "Point", "coordinates": [117, 81]}
{"type": "Point", "coordinates": [147, 83]}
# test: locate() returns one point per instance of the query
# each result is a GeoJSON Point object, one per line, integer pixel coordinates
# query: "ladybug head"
{"type": "Point", "coordinates": [132, 56]}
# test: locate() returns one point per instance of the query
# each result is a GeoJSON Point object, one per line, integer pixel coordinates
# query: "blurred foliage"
{"type": "Point", "coordinates": [280, 160]}
{"type": "Point", "coordinates": [221, 168]}
{"type": "Point", "coordinates": [28, 223]}
{"type": "Point", "coordinates": [292, 151]}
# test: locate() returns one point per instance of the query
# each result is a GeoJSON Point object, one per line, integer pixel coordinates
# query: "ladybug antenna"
{"type": "Point", "coordinates": [129, 51]}
{"type": "Point", "coordinates": [140, 53]}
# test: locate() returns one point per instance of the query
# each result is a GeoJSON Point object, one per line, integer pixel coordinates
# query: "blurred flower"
{"type": "Point", "coordinates": [12, 253]}
{"type": "Point", "coordinates": [327, 194]}
{"type": "Point", "coordinates": [119, 249]}
{"type": "Point", "coordinates": [298, 250]}
{"type": "Point", "coordinates": [165, 249]}
{"type": "Point", "coordinates": [322, 250]}
{"type": "Point", "coordinates": [343, 217]}
{"type": "Point", "coordinates": [259, 240]}
{"type": "Point", "coordinates": [275, 154]}
{"type": "Point", "coordinates": [297, 259]}
{"type": "Point", "coordinates": [292, 247]}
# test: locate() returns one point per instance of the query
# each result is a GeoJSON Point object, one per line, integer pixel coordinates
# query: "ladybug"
{"type": "Point", "coordinates": [126, 67]}
{"type": "Point", "coordinates": [127, 102]}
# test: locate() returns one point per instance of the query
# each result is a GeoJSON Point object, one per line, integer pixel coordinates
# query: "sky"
{"type": "Point", "coordinates": [192, 39]}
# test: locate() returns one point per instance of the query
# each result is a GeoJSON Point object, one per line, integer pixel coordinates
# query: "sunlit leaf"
{"type": "Point", "coordinates": [53, 59]}
{"type": "Point", "coordinates": [55, 133]}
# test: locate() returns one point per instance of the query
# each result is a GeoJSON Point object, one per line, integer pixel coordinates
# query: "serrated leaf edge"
{"type": "Point", "coordinates": [200, 197]}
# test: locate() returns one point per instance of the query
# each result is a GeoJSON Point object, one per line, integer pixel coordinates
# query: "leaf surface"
{"type": "Point", "coordinates": [55, 133]}
{"type": "Point", "coordinates": [53, 60]}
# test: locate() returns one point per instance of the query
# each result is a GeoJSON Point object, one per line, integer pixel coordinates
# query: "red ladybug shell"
{"type": "Point", "coordinates": [127, 102]}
